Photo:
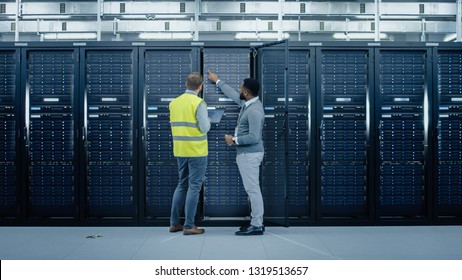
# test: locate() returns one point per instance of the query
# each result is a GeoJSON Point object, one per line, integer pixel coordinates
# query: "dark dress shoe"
{"type": "Point", "coordinates": [194, 230]}
{"type": "Point", "coordinates": [176, 228]}
{"type": "Point", "coordinates": [244, 228]}
{"type": "Point", "coordinates": [251, 230]}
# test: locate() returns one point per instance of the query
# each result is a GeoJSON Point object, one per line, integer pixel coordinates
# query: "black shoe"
{"type": "Point", "coordinates": [251, 230]}
{"type": "Point", "coordinates": [244, 228]}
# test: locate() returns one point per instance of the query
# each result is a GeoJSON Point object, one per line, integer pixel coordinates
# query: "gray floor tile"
{"type": "Point", "coordinates": [163, 245]}
{"type": "Point", "coordinates": [223, 244]}
{"type": "Point", "coordinates": [311, 243]}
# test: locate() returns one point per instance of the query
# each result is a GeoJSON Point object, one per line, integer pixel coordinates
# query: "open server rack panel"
{"type": "Point", "coordinates": [344, 88]}
{"type": "Point", "coordinates": [224, 194]}
{"type": "Point", "coordinates": [109, 83]}
{"type": "Point", "coordinates": [164, 73]}
{"type": "Point", "coordinates": [9, 138]}
{"type": "Point", "coordinates": [448, 118]}
{"type": "Point", "coordinates": [51, 115]}
{"type": "Point", "coordinates": [402, 90]}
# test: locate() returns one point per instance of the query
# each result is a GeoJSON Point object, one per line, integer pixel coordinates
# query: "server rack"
{"type": "Point", "coordinates": [10, 139]}
{"type": "Point", "coordinates": [402, 119]}
{"type": "Point", "coordinates": [50, 115]}
{"type": "Point", "coordinates": [344, 95]}
{"type": "Point", "coordinates": [224, 195]}
{"type": "Point", "coordinates": [274, 166]}
{"type": "Point", "coordinates": [300, 136]}
{"type": "Point", "coordinates": [404, 185]}
{"type": "Point", "coordinates": [286, 179]}
{"type": "Point", "coordinates": [448, 120]}
{"type": "Point", "coordinates": [164, 72]}
{"type": "Point", "coordinates": [108, 82]}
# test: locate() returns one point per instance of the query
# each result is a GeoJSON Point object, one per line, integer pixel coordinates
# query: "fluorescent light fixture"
{"type": "Point", "coordinates": [166, 16]}
{"type": "Point", "coordinates": [132, 16]}
{"type": "Point", "coordinates": [260, 36]}
{"type": "Point", "coordinates": [450, 37]}
{"type": "Point", "coordinates": [358, 36]}
{"type": "Point", "coordinates": [32, 16]}
{"type": "Point", "coordinates": [212, 19]}
{"type": "Point", "coordinates": [371, 16]}
{"type": "Point", "coordinates": [165, 36]}
{"type": "Point", "coordinates": [400, 17]}
{"type": "Point", "coordinates": [69, 36]}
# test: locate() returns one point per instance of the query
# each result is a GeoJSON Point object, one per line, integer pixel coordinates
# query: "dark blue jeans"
{"type": "Point", "coordinates": [191, 173]}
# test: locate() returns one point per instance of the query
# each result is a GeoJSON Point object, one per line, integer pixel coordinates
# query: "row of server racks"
{"type": "Point", "coordinates": [355, 133]}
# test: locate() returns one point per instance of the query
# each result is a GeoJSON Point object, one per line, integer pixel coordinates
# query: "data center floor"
{"type": "Point", "coordinates": [220, 243]}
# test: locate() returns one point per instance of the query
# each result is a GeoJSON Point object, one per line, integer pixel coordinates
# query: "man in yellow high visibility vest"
{"type": "Point", "coordinates": [190, 123]}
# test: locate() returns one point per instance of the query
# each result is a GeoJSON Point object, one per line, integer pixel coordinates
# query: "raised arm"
{"type": "Point", "coordinates": [225, 88]}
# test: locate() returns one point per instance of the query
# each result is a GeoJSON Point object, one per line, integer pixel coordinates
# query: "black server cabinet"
{"type": "Point", "coordinates": [287, 136]}
{"type": "Point", "coordinates": [273, 96]}
{"type": "Point", "coordinates": [9, 125]}
{"type": "Point", "coordinates": [109, 83]}
{"type": "Point", "coordinates": [448, 118]}
{"type": "Point", "coordinates": [300, 143]}
{"type": "Point", "coordinates": [224, 194]}
{"type": "Point", "coordinates": [51, 114]}
{"type": "Point", "coordinates": [402, 112]}
{"type": "Point", "coordinates": [344, 86]}
{"type": "Point", "coordinates": [164, 75]}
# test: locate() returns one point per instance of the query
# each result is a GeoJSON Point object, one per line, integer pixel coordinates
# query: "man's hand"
{"type": "Point", "coordinates": [213, 76]}
{"type": "Point", "coordinates": [229, 139]}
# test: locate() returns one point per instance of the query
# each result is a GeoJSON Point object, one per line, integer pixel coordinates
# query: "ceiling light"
{"type": "Point", "coordinates": [165, 36]}
{"type": "Point", "coordinates": [400, 17]}
{"type": "Point", "coordinates": [358, 36]}
{"type": "Point", "coordinates": [69, 36]}
{"type": "Point", "coordinates": [260, 36]}
{"type": "Point", "coordinates": [167, 16]}
{"type": "Point", "coordinates": [450, 37]}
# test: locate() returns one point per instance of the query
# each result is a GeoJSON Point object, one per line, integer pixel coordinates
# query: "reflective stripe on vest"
{"type": "Point", "coordinates": [188, 140]}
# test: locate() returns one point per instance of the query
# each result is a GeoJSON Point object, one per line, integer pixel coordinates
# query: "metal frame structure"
{"type": "Point", "coordinates": [196, 20]}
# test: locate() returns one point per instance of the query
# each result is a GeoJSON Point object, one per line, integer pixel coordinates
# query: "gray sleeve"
{"type": "Point", "coordinates": [230, 92]}
{"type": "Point", "coordinates": [203, 118]}
{"type": "Point", "coordinates": [255, 128]}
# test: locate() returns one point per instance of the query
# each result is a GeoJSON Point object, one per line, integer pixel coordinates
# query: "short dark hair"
{"type": "Point", "coordinates": [194, 81]}
{"type": "Point", "coordinates": [252, 85]}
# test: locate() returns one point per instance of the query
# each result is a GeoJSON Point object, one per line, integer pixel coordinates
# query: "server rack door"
{"type": "Point", "coordinates": [300, 155]}
{"type": "Point", "coordinates": [343, 92]}
{"type": "Point", "coordinates": [165, 73]}
{"type": "Point", "coordinates": [273, 97]}
{"type": "Point", "coordinates": [9, 124]}
{"type": "Point", "coordinates": [402, 119]}
{"type": "Point", "coordinates": [224, 195]}
{"type": "Point", "coordinates": [109, 134]}
{"type": "Point", "coordinates": [448, 152]}
{"type": "Point", "coordinates": [287, 120]}
{"type": "Point", "coordinates": [50, 118]}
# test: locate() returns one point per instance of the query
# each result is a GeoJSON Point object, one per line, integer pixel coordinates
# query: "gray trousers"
{"type": "Point", "coordinates": [191, 173]}
{"type": "Point", "coordinates": [249, 167]}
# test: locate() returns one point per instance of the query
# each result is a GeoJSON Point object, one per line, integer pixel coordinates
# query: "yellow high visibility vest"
{"type": "Point", "coordinates": [188, 140]}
